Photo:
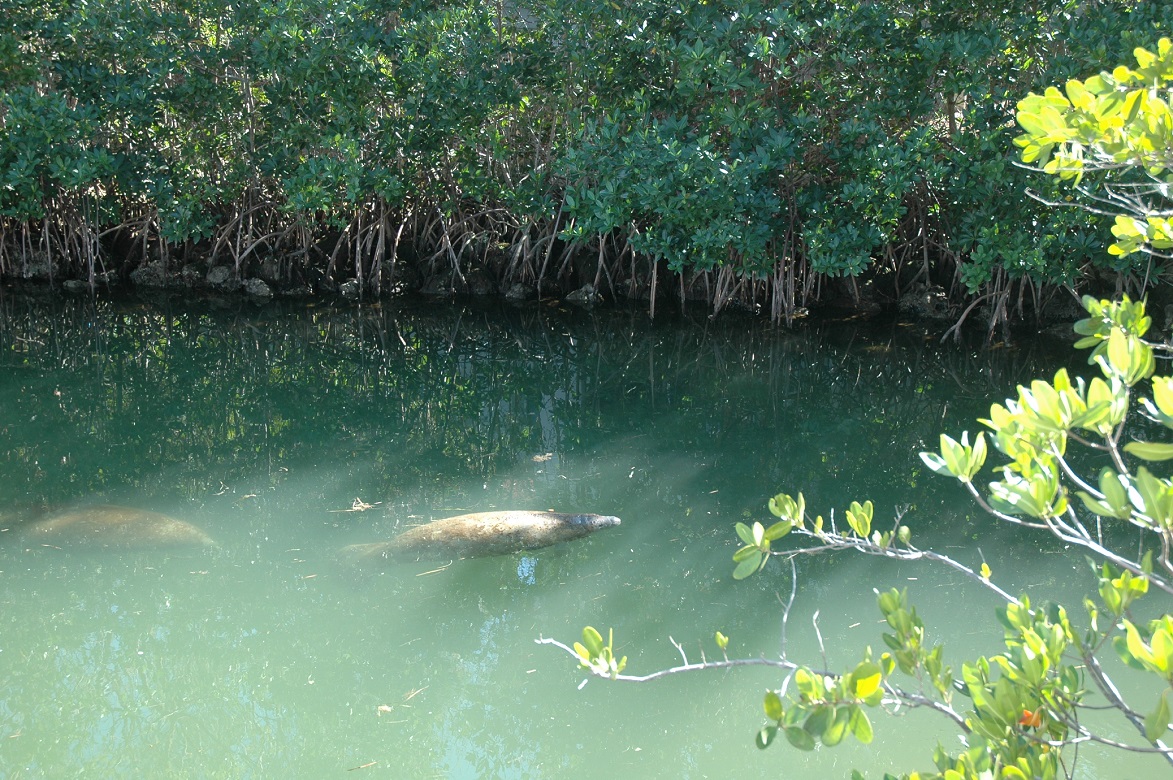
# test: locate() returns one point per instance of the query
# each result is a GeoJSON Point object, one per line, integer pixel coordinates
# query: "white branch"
{"type": "Point", "coordinates": [895, 695]}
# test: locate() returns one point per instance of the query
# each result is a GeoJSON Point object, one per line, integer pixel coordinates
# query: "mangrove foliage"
{"type": "Point", "coordinates": [752, 153]}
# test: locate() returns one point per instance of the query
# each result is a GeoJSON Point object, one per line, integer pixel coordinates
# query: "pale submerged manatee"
{"type": "Point", "coordinates": [115, 527]}
{"type": "Point", "coordinates": [477, 535]}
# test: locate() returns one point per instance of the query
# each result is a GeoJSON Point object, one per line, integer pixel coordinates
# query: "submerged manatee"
{"type": "Point", "coordinates": [118, 527]}
{"type": "Point", "coordinates": [479, 534]}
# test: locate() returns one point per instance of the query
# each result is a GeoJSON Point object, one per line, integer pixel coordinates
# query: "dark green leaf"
{"type": "Point", "coordinates": [1156, 723]}
{"type": "Point", "coordinates": [798, 737]}
{"type": "Point", "coordinates": [765, 737]}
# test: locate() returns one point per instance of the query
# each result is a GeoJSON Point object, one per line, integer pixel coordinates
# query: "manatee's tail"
{"type": "Point", "coordinates": [372, 554]}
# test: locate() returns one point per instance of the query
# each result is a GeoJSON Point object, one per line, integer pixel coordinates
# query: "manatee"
{"type": "Point", "coordinates": [478, 535]}
{"type": "Point", "coordinates": [115, 527]}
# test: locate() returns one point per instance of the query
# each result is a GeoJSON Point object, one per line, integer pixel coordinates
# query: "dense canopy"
{"type": "Point", "coordinates": [728, 151]}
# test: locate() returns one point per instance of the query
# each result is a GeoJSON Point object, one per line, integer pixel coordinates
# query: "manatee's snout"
{"type": "Point", "coordinates": [593, 522]}
{"type": "Point", "coordinates": [602, 521]}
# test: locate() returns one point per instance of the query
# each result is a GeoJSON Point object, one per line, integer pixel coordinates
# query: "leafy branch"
{"type": "Point", "coordinates": [1119, 126]}
{"type": "Point", "coordinates": [1026, 703]}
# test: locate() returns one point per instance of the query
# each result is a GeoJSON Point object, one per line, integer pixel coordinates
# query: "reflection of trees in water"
{"type": "Point", "coordinates": [190, 393]}
{"type": "Point", "coordinates": [824, 409]}
{"type": "Point", "coordinates": [647, 418]}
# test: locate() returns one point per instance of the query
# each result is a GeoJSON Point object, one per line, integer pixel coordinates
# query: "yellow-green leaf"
{"type": "Point", "coordinates": [1136, 645]}
{"type": "Point", "coordinates": [867, 679]}
{"type": "Point", "coordinates": [593, 640]}
{"type": "Point", "coordinates": [1147, 450]}
{"type": "Point", "coordinates": [773, 706]}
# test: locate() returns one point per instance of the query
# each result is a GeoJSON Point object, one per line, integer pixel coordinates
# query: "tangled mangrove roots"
{"type": "Point", "coordinates": [736, 154]}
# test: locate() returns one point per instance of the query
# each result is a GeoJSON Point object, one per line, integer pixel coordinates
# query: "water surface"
{"type": "Point", "coordinates": [288, 431]}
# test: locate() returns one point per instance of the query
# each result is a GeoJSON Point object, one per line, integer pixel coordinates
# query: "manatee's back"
{"type": "Point", "coordinates": [482, 534]}
{"type": "Point", "coordinates": [479, 535]}
{"type": "Point", "coordinates": [116, 526]}
{"type": "Point", "coordinates": [489, 533]}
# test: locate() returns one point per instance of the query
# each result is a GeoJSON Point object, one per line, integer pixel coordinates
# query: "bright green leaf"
{"type": "Point", "coordinates": [861, 726]}
{"type": "Point", "coordinates": [748, 566]}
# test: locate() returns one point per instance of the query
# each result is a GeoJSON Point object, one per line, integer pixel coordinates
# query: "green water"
{"type": "Point", "coordinates": [264, 657]}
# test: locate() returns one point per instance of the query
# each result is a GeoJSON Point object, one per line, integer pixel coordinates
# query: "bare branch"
{"type": "Point", "coordinates": [896, 695]}
{"type": "Point", "coordinates": [819, 636]}
{"type": "Point", "coordinates": [787, 606]}
{"type": "Point", "coordinates": [685, 667]}
{"type": "Point", "coordinates": [908, 553]}
{"type": "Point", "coordinates": [1078, 536]}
